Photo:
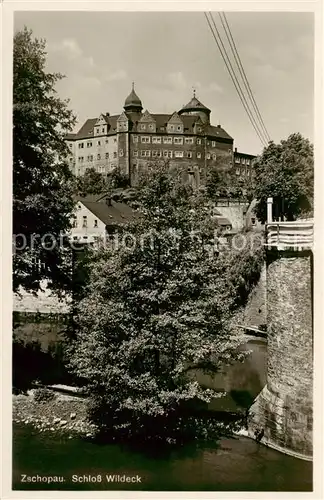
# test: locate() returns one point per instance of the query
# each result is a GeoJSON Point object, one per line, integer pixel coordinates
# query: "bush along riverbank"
{"type": "Point", "coordinates": [48, 411]}
{"type": "Point", "coordinates": [64, 414]}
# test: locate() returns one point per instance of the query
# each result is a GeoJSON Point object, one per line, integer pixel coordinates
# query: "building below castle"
{"type": "Point", "coordinates": [130, 141]}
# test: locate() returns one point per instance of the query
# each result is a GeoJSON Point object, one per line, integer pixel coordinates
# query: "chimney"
{"type": "Point", "coordinates": [108, 201]}
{"type": "Point", "coordinates": [235, 150]}
{"type": "Point", "coordinates": [107, 114]}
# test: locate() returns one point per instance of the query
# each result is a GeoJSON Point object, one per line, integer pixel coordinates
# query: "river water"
{"type": "Point", "coordinates": [238, 464]}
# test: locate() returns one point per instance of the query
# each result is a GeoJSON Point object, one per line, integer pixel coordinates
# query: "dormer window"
{"type": "Point", "coordinates": [98, 130]}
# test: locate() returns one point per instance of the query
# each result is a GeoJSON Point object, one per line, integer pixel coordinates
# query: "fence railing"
{"type": "Point", "coordinates": [297, 235]}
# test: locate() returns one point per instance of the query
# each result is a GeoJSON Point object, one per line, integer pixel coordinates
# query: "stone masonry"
{"type": "Point", "coordinates": [283, 409]}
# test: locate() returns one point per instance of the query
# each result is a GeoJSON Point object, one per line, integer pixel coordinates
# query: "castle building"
{"type": "Point", "coordinates": [130, 141]}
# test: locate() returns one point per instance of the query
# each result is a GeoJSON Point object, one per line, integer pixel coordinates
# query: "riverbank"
{"type": "Point", "coordinates": [64, 414]}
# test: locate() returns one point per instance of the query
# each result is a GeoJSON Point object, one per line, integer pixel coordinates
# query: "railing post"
{"type": "Point", "coordinates": [269, 210]}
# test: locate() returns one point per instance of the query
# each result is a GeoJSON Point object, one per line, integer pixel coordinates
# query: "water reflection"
{"type": "Point", "coordinates": [242, 382]}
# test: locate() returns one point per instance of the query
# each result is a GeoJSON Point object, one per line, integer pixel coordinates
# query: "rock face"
{"type": "Point", "coordinates": [283, 409]}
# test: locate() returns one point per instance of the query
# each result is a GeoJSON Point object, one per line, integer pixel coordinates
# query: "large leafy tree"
{"type": "Point", "coordinates": [92, 182]}
{"type": "Point", "coordinates": [152, 310]}
{"type": "Point", "coordinates": [285, 171]}
{"type": "Point", "coordinates": [222, 181]}
{"type": "Point", "coordinates": [42, 183]}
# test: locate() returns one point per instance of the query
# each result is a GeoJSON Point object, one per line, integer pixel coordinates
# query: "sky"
{"type": "Point", "coordinates": [169, 54]}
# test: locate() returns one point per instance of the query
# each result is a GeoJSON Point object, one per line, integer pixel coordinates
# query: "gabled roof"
{"type": "Point", "coordinates": [147, 117]}
{"type": "Point", "coordinates": [175, 118]}
{"type": "Point", "coordinates": [111, 215]}
{"type": "Point", "coordinates": [86, 131]}
{"type": "Point", "coordinates": [217, 132]}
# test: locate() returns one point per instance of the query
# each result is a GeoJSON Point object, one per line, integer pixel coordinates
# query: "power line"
{"type": "Point", "coordinates": [235, 81]}
{"type": "Point", "coordinates": [238, 61]}
{"type": "Point", "coordinates": [234, 78]}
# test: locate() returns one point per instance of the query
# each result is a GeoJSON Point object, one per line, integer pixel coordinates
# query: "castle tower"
{"type": "Point", "coordinates": [282, 412]}
{"type": "Point", "coordinates": [133, 104]}
{"type": "Point", "coordinates": [195, 107]}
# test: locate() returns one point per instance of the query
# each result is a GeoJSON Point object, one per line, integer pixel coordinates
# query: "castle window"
{"type": "Point", "coordinates": [208, 156]}
{"type": "Point", "coordinates": [154, 153]}
{"type": "Point", "coordinates": [80, 158]}
{"type": "Point", "coordinates": [97, 131]}
{"type": "Point", "coordinates": [198, 141]}
{"type": "Point", "coordinates": [107, 141]}
{"type": "Point", "coordinates": [189, 154]}
{"type": "Point", "coordinates": [115, 140]}
{"type": "Point", "coordinates": [99, 143]}
{"type": "Point", "coordinates": [156, 140]}
{"type": "Point", "coordinates": [91, 157]}
{"type": "Point", "coordinates": [237, 160]}
{"type": "Point", "coordinates": [198, 155]}
{"type": "Point", "coordinates": [135, 153]}
{"type": "Point", "coordinates": [162, 129]}
{"type": "Point", "coordinates": [178, 140]}
{"type": "Point", "coordinates": [214, 156]}
{"type": "Point", "coordinates": [80, 145]}
{"type": "Point", "coordinates": [89, 144]}
{"type": "Point", "coordinates": [247, 162]}
{"type": "Point", "coordinates": [248, 173]}
{"type": "Point", "coordinates": [98, 157]}
{"type": "Point", "coordinates": [107, 156]}
{"type": "Point", "coordinates": [71, 159]}
{"type": "Point", "coordinates": [151, 127]}
{"type": "Point", "coordinates": [135, 138]}
{"type": "Point", "coordinates": [115, 154]}
{"type": "Point", "coordinates": [237, 171]}
{"type": "Point", "coordinates": [167, 140]}
{"type": "Point", "coordinates": [170, 154]}
{"type": "Point", "coordinates": [189, 140]}
{"type": "Point", "coordinates": [143, 126]}
{"type": "Point", "coordinates": [165, 154]}
{"type": "Point", "coordinates": [121, 152]}
{"type": "Point", "coordinates": [243, 161]}
{"type": "Point", "coordinates": [103, 130]}
{"type": "Point", "coordinates": [95, 223]}
{"type": "Point", "coordinates": [178, 154]}
{"type": "Point", "coordinates": [179, 128]}
{"type": "Point", "coordinates": [171, 127]}
{"type": "Point", "coordinates": [70, 145]}
{"type": "Point", "coordinates": [85, 221]}
{"type": "Point", "coordinates": [213, 144]}
{"type": "Point", "coordinates": [145, 139]}
{"type": "Point", "coordinates": [199, 129]}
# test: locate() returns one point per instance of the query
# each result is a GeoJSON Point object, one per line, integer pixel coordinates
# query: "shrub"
{"type": "Point", "coordinates": [43, 395]}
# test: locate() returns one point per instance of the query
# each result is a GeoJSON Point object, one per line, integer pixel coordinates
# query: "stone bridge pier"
{"type": "Point", "coordinates": [282, 414]}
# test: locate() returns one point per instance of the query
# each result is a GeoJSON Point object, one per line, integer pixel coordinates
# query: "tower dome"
{"type": "Point", "coordinates": [195, 107]}
{"type": "Point", "coordinates": [133, 102]}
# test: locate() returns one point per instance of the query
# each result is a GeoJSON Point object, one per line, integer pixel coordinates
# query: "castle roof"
{"type": "Point", "coordinates": [86, 131]}
{"type": "Point", "coordinates": [133, 101]}
{"type": "Point", "coordinates": [194, 105]}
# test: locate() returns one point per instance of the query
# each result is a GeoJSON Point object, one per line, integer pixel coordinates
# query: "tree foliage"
{"type": "Point", "coordinates": [152, 311]}
{"type": "Point", "coordinates": [285, 171]}
{"type": "Point", "coordinates": [42, 182]}
{"type": "Point", "coordinates": [222, 181]}
{"type": "Point", "coordinates": [92, 182]}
